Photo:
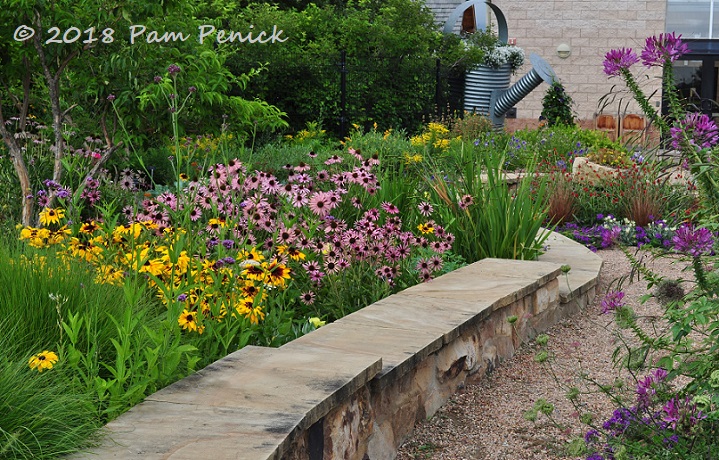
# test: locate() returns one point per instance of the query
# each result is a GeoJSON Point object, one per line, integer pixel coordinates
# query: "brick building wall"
{"type": "Point", "coordinates": [590, 28]}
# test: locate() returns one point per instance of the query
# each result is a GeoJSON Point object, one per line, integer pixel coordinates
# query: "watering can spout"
{"type": "Point", "coordinates": [504, 99]}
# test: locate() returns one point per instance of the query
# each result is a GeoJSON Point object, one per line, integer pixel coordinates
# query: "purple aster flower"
{"type": "Point", "coordinates": [693, 242]}
{"type": "Point", "coordinates": [617, 60]}
{"type": "Point", "coordinates": [228, 244]}
{"type": "Point", "coordinates": [665, 48]}
{"type": "Point", "coordinates": [701, 131]}
{"type": "Point", "coordinates": [182, 297]}
{"type": "Point", "coordinates": [612, 301]}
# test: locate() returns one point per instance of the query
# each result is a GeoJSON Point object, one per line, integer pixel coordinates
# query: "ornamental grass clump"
{"type": "Point", "coordinates": [487, 219]}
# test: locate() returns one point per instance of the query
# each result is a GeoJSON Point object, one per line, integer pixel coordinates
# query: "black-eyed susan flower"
{"type": "Point", "coordinates": [42, 361]}
{"type": "Point", "coordinates": [277, 273]}
{"type": "Point", "coordinates": [425, 228]}
{"type": "Point", "coordinates": [89, 227]}
{"type": "Point", "coordinates": [50, 216]}
{"type": "Point", "coordinates": [189, 321]}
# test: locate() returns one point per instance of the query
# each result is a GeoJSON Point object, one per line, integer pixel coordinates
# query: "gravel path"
{"type": "Point", "coordinates": [484, 420]}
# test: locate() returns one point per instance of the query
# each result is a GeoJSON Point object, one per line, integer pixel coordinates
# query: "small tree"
{"type": "Point", "coordinates": [557, 106]}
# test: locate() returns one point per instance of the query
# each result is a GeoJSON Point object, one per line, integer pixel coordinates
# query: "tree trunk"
{"type": "Point", "coordinates": [21, 170]}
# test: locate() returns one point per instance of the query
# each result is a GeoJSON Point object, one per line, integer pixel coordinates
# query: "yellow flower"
{"type": "Point", "coordinates": [277, 273]}
{"type": "Point", "coordinates": [107, 274]}
{"type": "Point", "coordinates": [42, 361]}
{"type": "Point", "coordinates": [51, 216]}
{"type": "Point", "coordinates": [252, 254]}
{"type": "Point", "coordinates": [316, 322]}
{"type": "Point", "coordinates": [425, 228]}
{"type": "Point", "coordinates": [188, 321]}
{"type": "Point", "coordinates": [153, 266]}
{"type": "Point", "coordinates": [438, 128]}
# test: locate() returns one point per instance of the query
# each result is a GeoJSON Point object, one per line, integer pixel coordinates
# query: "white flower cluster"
{"type": "Point", "coordinates": [500, 55]}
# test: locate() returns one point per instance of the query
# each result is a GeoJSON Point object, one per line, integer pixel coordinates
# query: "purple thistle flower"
{"type": "Point", "coordinates": [617, 60]}
{"type": "Point", "coordinates": [612, 301]}
{"type": "Point", "coordinates": [693, 242]}
{"type": "Point", "coordinates": [111, 97]}
{"type": "Point", "coordinates": [157, 79]}
{"type": "Point", "coordinates": [665, 48]}
{"type": "Point", "coordinates": [192, 89]}
{"type": "Point", "coordinates": [700, 129]}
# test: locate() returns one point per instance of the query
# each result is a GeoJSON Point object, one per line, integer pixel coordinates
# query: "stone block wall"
{"type": "Point", "coordinates": [354, 389]}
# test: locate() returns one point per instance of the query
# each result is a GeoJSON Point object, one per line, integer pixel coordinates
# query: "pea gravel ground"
{"type": "Point", "coordinates": [484, 421]}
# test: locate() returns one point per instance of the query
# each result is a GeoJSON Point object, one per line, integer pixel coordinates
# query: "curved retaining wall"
{"type": "Point", "coordinates": [354, 389]}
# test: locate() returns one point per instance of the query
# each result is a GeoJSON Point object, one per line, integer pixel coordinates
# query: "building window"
{"type": "Point", "coordinates": [693, 18]}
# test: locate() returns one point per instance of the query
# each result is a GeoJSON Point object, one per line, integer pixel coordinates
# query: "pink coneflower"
{"type": "Point", "coordinates": [267, 224]}
{"type": "Point", "coordinates": [316, 276]}
{"type": "Point", "coordinates": [271, 185]}
{"type": "Point", "coordinates": [302, 167]}
{"type": "Point", "coordinates": [302, 178]}
{"type": "Point", "coordinates": [252, 183]}
{"type": "Point", "coordinates": [425, 208]}
{"type": "Point", "coordinates": [372, 214]}
{"type": "Point", "coordinates": [195, 214]}
{"type": "Point", "coordinates": [285, 236]}
{"type": "Point", "coordinates": [307, 298]}
{"type": "Point", "coordinates": [390, 208]}
{"type": "Point", "coordinates": [423, 265]}
{"type": "Point", "coordinates": [343, 264]}
{"type": "Point", "coordinates": [331, 265]}
{"type": "Point", "coordinates": [436, 263]}
{"type": "Point", "coordinates": [333, 160]}
{"type": "Point", "coordinates": [311, 266]}
{"type": "Point", "coordinates": [354, 153]}
{"type": "Point", "coordinates": [299, 200]}
{"type": "Point", "coordinates": [312, 154]}
{"type": "Point", "coordinates": [319, 204]}
{"type": "Point", "coordinates": [288, 167]}
{"type": "Point", "coordinates": [322, 175]}
{"type": "Point", "coordinates": [466, 201]}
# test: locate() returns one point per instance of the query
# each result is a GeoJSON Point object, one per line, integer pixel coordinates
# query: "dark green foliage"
{"type": "Point", "coordinates": [557, 106]}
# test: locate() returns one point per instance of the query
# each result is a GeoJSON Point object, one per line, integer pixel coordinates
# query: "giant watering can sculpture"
{"type": "Point", "coordinates": [486, 90]}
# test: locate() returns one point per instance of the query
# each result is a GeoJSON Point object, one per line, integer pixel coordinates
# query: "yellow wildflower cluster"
{"type": "Point", "coordinates": [50, 232]}
{"type": "Point", "coordinates": [237, 284]}
{"type": "Point", "coordinates": [205, 144]}
{"type": "Point", "coordinates": [313, 131]}
{"type": "Point", "coordinates": [412, 159]}
{"type": "Point", "coordinates": [610, 157]}
{"type": "Point", "coordinates": [435, 135]}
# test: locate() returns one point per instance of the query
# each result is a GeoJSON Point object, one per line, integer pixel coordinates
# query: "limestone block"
{"type": "Point", "coordinates": [592, 173]}
{"type": "Point", "coordinates": [348, 427]}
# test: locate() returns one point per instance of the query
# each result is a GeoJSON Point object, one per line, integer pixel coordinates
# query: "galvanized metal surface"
{"type": "Point", "coordinates": [479, 85]}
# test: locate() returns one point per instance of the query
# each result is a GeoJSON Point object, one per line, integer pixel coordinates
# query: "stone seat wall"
{"type": "Point", "coordinates": [354, 389]}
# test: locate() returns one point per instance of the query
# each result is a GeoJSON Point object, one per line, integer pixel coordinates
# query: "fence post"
{"type": "Point", "coordinates": [343, 94]}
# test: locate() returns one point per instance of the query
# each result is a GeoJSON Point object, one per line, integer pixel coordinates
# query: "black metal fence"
{"type": "Point", "coordinates": [341, 91]}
